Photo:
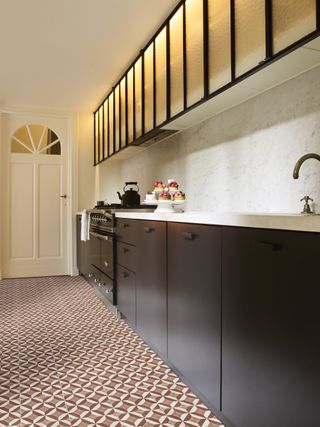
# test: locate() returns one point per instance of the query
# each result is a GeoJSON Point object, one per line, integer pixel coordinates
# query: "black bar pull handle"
{"type": "Point", "coordinates": [188, 236]}
{"type": "Point", "coordinates": [125, 225]}
{"type": "Point", "coordinates": [148, 229]}
{"type": "Point", "coordinates": [125, 275]}
{"type": "Point", "coordinates": [275, 247]}
{"type": "Point", "coordinates": [125, 250]}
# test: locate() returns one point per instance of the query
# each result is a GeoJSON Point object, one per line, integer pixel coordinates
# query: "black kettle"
{"type": "Point", "coordinates": [130, 197]}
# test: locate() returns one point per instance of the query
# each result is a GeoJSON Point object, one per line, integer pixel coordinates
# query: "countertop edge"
{"type": "Point", "coordinates": [309, 223]}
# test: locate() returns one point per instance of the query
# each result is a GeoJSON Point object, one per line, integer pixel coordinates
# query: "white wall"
{"type": "Point", "coordinates": [86, 171]}
{"type": "Point", "coordinates": [240, 160]}
{"type": "Point", "coordinates": [1, 201]}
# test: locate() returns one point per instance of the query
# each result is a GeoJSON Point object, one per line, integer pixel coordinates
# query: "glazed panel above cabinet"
{"type": "Point", "coordinates": [202, 49]}
{"type": "Point", "coordinates": [292, 20]}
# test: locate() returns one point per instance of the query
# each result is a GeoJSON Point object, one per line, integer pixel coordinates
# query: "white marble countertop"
{"type": "Point", "coordinates": [279, 221]}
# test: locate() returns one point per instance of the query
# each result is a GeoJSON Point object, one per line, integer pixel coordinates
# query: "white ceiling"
{"type": "Point", "coordinates": [66, 54]}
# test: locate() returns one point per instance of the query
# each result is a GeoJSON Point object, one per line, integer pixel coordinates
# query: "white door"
{"type": "Point", "coordinates": [35, 196]}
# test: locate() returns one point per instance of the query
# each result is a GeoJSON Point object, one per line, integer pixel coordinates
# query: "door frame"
{"type": "Point", "coordinates": [71, 176]}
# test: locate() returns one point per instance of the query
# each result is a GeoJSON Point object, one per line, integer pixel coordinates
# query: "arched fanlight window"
{"type": "Point", "coordinates": [35, 139]}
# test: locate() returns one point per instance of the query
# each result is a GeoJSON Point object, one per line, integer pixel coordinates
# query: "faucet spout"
{"type": "Point", "coordinates": [301, 161]}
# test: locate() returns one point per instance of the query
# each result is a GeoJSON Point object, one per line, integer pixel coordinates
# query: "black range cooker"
{"type": "Point", "coordinates": [100, 251]}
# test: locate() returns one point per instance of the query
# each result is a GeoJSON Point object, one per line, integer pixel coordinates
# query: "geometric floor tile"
{"type": "Point", "coordinates": [65, 360]}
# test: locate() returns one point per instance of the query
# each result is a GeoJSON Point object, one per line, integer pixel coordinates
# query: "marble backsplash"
{"type": "Point", "coordinates": [241, 160]}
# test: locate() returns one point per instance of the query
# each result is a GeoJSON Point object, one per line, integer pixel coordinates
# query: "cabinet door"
{"type": "Point", "coordinates": [270, 328]}
{"type": "Point", "coordinates": [194, 305]}
{"type": "Point", "coordinates": [151, 283]}
{"type": "Point", "coordinates": [126, 294]}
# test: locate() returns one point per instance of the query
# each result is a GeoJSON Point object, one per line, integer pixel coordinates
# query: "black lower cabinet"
{"type": "Point", "coordinates": [194, 306]}
{"type": "Point", "coordinates": [126, 294]}
{"type": "Point", "coordinates": [270, 328]}
{"type": "Point", "coordinates": [151, 283]}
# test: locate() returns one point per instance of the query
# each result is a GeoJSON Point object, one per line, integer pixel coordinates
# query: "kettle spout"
{"type": "Point", "coordinates": [119, 195]}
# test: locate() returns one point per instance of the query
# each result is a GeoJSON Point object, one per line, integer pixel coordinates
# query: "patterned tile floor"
{"type": "Point", "coordinates": [67, 361]}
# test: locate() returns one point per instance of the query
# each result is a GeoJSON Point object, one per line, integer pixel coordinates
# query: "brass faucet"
{"type": "Point", "coordinates": [301, 161]}
{"type": "Point", "coordinates": [306, 207]}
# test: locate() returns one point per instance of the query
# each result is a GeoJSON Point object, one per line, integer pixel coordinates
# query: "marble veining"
{"type": "Point", "coordinates": [241, 160]}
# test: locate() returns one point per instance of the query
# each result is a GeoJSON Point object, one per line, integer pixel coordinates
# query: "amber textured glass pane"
{"type": "Point", "coordinates": [250, 34]}
{"type": "Point", "coordinates": [292, 20]}
{"type": "Point", "coordinates": [111, 124]}
{"type": "Point", "coordinates": [194, 43]}
{"type": "Point", "coordinates": [148, 89]}
{"type": "Point", "coordinates": [101, 132]}
{"type": "Point", "coordinates": [123, 112]}
{"type": "Point", "coordinates": [105, 127]}
{"type": "Point", "coordinates": [138, 96]}
{"type": "Point", "coordinates": [176, 62]}
{"type": "Point", "coordinates": [117, 117]}
{"type": "Point", "coordinates": [96, 128]}
{"type": "Point", "coordinates": [130, 104]}
{"type": "Point", "coordinates": [161, 83]}
{"type": "Point", "coordinates": [219, 44]}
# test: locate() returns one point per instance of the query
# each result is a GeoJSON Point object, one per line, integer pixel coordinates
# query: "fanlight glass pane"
{"type": "Point", "coordinates": [194, 43]}
{"type": "Point", "coordinates": [117, 117]}
{"type": "Point", "coordinates": [130, 104]}
{"type": "Point", "coordinates": [292, 20]}
{"type": "Point", "coordinates": [161, 82]}
{"type": "Point", "coordinates": [138, 96]}
{"type": "Point", "coordinates": [111, 124]}
{"type": "Point", "coordinates": [123, 137]}
{"type": "Point", "coordinates": [148, 89]}
{"type": "Point", "coordinates": [250, 34]}
{"type": "Point", "coordinates": [35, 139]}
{"type": "Point", "coordinates": [105, 126]}
{"type": "Point", "coordinates": [176, 62]}
{"type": "Point", "coordinates": [16, 147]}
{"type": "Point", "coordinates": [219, 44]}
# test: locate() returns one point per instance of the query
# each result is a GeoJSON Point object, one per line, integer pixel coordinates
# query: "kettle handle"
{"type": "Point", "coordinates": [131, 183]}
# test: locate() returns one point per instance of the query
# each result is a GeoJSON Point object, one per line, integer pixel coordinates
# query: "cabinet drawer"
{"type": "Point", "coordinates": [126, 294]}
{"type": "Point", "coordinates": [126, 230]}
{"type": "Point", "coordinates": [126, 255]}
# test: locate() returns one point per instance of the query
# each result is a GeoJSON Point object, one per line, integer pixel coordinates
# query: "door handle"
{"type": "Point", "coordinates": [125, 250]}
{"type": "Point", "coordinates": [64, 196]}
{"type": "Point", "coordinates": [188, 236]}
{"type": "Point", "coordinates": [275, 247]}
{"type": "Point", "coordinates": [148, 229]}
{"type": "Point", "coordinates": [125, 275]}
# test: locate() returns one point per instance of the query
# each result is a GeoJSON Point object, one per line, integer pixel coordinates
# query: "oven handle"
{"type": "Point", "coordinates": [100, 236]}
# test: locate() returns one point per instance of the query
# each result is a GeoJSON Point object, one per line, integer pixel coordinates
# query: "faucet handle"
{"type": "Point", "coordinates": [306, 198]}
{"type": "Point", "coordinates": [306, 207]}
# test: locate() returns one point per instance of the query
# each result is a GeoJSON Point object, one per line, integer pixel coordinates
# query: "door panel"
{"type": "Point", "coordinates": [151, 283]}
{"type": "Point", "coordinates": [270, 328]}
{"type": "Point", "coordinates": [21, 200]}
{"type": "Point", "coordinates": [194, 305]}
{"type": "Point", "coordinates": [49, 207]}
